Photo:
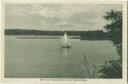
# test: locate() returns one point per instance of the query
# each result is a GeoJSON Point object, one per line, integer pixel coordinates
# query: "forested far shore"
{"type": "Point", "coordinates": [83, 34]}
{"type": "Point", "coordinates": [39, 32]}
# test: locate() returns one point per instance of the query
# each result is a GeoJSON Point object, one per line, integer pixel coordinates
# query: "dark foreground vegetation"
{"type": "Point", "coordinates": [113, 68]}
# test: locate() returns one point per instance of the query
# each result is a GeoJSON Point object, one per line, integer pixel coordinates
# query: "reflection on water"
{"type": "Point", "coordinates": [64, 52]}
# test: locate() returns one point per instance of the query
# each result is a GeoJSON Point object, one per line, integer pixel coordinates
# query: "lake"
{"type": "Point", "coordinates": [42, 57]}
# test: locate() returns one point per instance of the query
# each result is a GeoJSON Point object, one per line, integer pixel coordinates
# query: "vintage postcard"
{"type": "Point", "coordinates": [64, 41]}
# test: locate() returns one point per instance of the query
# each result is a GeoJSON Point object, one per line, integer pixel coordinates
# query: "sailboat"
{"type": "Point", "coordinates": [65, 41]}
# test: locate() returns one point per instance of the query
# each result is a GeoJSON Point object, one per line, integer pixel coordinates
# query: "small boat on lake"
{"type": "Point", "coordinates": [65, 41]}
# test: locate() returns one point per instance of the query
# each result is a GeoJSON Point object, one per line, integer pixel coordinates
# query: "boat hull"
{"type": "Point", "coordinates": [65, 46]}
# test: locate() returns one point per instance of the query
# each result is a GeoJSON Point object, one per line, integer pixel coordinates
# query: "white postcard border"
{"type": "Point", "coordinates": [63, 81]}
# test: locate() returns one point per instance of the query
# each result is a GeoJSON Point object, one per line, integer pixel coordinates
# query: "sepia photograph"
{"type": "Point", "coordinates": [63, 40]}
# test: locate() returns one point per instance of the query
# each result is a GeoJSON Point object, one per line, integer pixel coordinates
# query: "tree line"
{"type": "Point", "coordinates": [83, 34]}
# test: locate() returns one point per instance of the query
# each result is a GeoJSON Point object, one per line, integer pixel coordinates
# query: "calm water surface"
{"type": "Point", "coordinates": [43, 57]}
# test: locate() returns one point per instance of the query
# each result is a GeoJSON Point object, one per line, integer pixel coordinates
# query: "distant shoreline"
{"type": "Point", "coordinates": [83, 35]}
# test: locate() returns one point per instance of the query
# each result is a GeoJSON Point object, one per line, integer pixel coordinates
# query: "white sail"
{"type": "Point", "coordinates": [69, 43]}
{"type": "Point", "coordinates": [66, 41]}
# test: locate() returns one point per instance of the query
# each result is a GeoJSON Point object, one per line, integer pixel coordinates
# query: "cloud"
{"type": "Point", "coordinates": [83, 18]}
{"type": "Point", "coordinates": [57, 16]}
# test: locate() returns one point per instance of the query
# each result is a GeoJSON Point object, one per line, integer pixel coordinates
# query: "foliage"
{"type": "Point", "coordinates": [94, 34]}
{"type": "Point", "coordinates": [114, 27]}
{"type": "Point", "coordinates": [92, 69]}
{"type": "Point", "coordinates": [113, 68]}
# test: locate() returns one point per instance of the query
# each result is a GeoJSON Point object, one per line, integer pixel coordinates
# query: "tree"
{"type": "Point", "coordinates": [113, 68]}
{"type": "Point", "coordinates": [114, 27]}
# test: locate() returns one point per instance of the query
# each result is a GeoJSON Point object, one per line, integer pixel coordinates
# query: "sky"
{"type": "Point", "coordinates": [83, 17]}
